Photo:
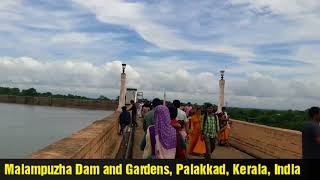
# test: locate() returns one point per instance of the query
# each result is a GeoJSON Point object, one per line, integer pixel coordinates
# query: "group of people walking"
{"type": "Point", "coordinates": [174, 132]}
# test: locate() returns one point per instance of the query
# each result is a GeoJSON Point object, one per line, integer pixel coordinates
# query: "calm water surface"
{"type": "Point", "coordinates": [25, 128]}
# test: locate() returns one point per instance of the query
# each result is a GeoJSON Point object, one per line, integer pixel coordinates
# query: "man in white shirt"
{"type": "Point", "coordinates": [181, 117]}
{"type": "Point", "coordinates": [181, 114]}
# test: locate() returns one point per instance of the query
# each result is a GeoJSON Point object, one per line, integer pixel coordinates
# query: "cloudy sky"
{"type": "Point", "coordinates": [270, 49]}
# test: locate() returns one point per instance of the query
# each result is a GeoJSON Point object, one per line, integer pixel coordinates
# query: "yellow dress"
{"type": "Point", "coordinates": [196, 144]}
{"type": "Point", "coordinates": [224, 133]}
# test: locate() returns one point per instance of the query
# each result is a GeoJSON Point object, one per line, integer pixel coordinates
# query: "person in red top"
{"type": "Point", "coordinates": [181, 144]}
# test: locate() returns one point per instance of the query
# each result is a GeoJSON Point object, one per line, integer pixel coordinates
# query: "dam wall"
{"type": "Point", "coordinates": [266, 142]}
{"type": "Point", "coordinates": [100, 140]}
{"type": "Point", "coordinates": [60, 102]}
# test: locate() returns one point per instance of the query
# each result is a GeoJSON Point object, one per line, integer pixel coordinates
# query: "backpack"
{"type": "Point", "coordinates": [126, 116]}
{"type": "Point", "coordinates": [128, 119]}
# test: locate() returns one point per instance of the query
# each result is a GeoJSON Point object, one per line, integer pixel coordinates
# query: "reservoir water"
{"type": "Point", "coordinates": [25, 128]}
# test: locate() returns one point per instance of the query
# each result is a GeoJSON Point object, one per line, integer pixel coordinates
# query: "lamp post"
{"type": "Point", "coordinates": [222, 74]}
{"type": "Point", "coordinates": [122, 88]}
{"type": "Point", "coordinates": [123, 68]}
{"type": "Point", "coordinates": [164, 97]}
{"type": "Point", "coordinates": [221, 91]}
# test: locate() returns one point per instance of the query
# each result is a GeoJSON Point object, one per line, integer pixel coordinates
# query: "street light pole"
{"type": "Point", "coordinates": [164, 97]}
{"type": "Point", "coordinates": [122, 88]}
{"type": "Point", "coordinates": [221, 93]}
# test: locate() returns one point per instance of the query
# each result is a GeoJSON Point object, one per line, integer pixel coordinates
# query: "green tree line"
{"type": "Point", "coordinates": [288, 119]}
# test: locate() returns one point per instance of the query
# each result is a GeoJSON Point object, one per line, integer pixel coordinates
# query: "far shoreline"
{"type": "Point", "coordinates": [107, 105]}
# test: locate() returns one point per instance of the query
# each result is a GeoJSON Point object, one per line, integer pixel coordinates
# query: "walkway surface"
{"type": "Point", "coordinates": [221, 152]}
{"type": "Point", "coordinates": [136, 152]}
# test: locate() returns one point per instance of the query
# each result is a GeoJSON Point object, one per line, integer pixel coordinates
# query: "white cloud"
{"type": "Point", "coordinates": [61, 73]}
{"type": "Point", "coordinates": [18, 15]}
{"type": "Point", "coordinates": [75, 38]}
{"type": "Point", "coordinates": [309, 53]}
{"type": "Point", "coordinates": [299, 18]}
{"type": "Point", "coordinates": [283, 7]}
{"type": "Point", "coordinates": [210, 26]}
{"type": "Point", "coordinates": [256, 90]}
{"type": "Point", "coordinates": [7, 5]}
{"type": "Point", "coordinates": [263, 91]}
{"type": "Point", "coordinates": [8, 14]}
{"type": "Point", "coordinates": [39, 30]}
{"type": "Point", "coordinates": [134, 16]}
{"type": "Point", "coordinates": [81, 74]}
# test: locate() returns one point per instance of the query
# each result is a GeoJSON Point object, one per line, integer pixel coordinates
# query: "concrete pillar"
{"type": "Point", "coordinates": [122, 92]}
{"type": "Point", "coordinates": [221, 92]}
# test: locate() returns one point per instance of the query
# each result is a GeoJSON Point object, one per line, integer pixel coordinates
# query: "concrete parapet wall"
{"type": "Point", "coordinates": [97, 141]}
{"type": "Point", "coordinates": [12, 99]}
{"type": "Point", "coordinates": [4, 99]}
{"type": "Point", "coordinates": [266, 142]}
{"type": "Point", "coordinates": [20, 100]}
{"type": "Point", "coordinates": [60, 102]}
{"type": "Point", "coordinates": [44, 101]}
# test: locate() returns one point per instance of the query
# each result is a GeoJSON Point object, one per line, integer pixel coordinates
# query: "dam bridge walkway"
{"type": "Point", "coordinates": [100, 140]}
{"type": "Point", "coordinates": [133, 151]}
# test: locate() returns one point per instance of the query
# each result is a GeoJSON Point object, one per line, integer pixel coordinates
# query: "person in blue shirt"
{"type": "Point", "coordinates": [124, 119]}
{"type": "Point", "coordinates": [311, 135]}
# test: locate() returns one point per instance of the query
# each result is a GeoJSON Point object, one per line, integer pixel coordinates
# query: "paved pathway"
{"type": "Point", "coordinates": [139, 133]}
{"type": "Point", "coordinates": [220, 152]}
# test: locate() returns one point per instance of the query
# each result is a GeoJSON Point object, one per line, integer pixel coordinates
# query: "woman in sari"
{"type": "Point", "coordinates": [224, 132]}
{"type": "Point", "coordinates": [196, 144]}
{"type": "Point", "coordinates": [161, 138]}
{"type": "Point", "coordinates": [149, 151]}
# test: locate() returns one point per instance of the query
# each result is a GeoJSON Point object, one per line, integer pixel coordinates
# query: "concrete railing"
{"type": "Point", "coordinates": [266, 142]}
{"type": "Point", "coordinates": [97, 141]}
